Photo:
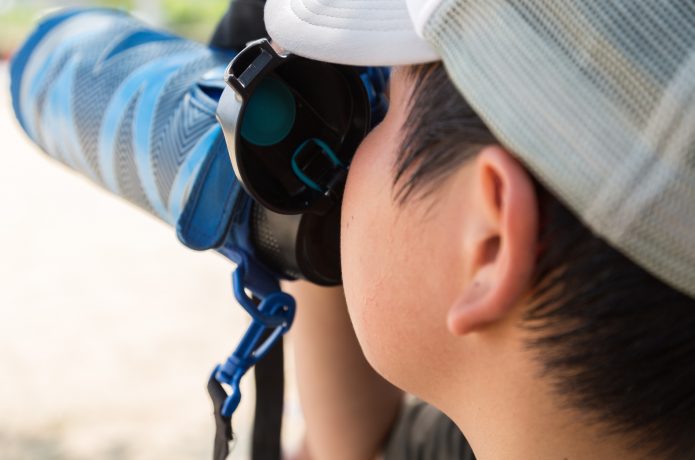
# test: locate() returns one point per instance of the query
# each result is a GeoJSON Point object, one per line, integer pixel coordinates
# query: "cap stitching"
{"type": "Point", "coordinates": [298, 15]}
{"type": "Point", "coordinates": [371, 6]}
{"type": "Point", "coordinates": [312, 11]}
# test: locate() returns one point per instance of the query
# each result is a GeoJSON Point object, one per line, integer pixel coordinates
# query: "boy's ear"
{"type": "Point", "coordinates": [499, 242]}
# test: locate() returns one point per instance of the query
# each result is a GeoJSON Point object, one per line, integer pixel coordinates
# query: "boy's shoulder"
{"type": "Point", "coordinates": [423, 432]}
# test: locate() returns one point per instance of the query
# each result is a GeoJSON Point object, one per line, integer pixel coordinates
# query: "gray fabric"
{"type": "Point", "coordinates": [597, 99]}
{"type": "Point", "coordinates": [424, 433]}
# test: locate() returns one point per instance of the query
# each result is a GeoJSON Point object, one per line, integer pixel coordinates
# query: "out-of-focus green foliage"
{"type": "Point", "coordinates": [122, 4]}
{"type": "Point", "coordinates": [195, 19]}
{"type": "Point", "coordinates": [14, 24]}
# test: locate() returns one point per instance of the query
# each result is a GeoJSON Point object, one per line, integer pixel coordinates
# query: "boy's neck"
{"type": "Point", "coordinates": [525, 437]}
{"type": "Point", "coordinates": [506, 411]}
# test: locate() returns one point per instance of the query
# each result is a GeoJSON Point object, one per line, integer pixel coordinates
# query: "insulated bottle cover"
{"type": "Point", "coordinates": [132, 108]}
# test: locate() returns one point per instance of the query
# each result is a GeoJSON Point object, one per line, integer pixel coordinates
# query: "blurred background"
{"type": "Point", "coordinates": [194, 19]}
{"type": "Point", "coordinates": [109, 327]}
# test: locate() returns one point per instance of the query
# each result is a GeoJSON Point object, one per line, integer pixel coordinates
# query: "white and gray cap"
{"type": "Point", "coordinates": [596, 97]}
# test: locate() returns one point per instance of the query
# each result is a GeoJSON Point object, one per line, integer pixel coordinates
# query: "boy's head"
{"type": "Point", "coordinates": [550, 265]}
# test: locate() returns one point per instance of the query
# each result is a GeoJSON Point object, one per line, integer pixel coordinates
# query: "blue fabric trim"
{"type": "Point", "coordinates": [213, 197]}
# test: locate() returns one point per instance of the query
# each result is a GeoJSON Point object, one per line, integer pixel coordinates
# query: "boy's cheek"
{"type": "Point", "coordinates": [366, 237]}
{"type": "Point", "coordinates": [380, 266]}
{"type": "Point", "coordinates": [381, 256]}
{"type": "Point", "coordinates": [390, 273]}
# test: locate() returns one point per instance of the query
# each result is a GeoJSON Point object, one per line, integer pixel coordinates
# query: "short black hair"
{"type": "Point", "coordinates": [616, 343]}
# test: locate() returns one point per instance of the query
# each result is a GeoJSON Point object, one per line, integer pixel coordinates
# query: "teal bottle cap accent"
{"type": "Point", "coordinates": [270, 114]}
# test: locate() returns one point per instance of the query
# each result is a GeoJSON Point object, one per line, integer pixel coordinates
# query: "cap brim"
{"type": "Point", "coordinates": [353, 32]}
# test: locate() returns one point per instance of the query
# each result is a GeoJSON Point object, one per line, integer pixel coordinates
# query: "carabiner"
{"type": "Point", "coordinates": [276, 312]}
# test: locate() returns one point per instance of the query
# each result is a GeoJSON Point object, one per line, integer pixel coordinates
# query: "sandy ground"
{"type": "Point", "coordinates": [108, 326]}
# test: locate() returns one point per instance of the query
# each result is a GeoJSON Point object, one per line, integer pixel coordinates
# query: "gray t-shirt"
{"type": "Point", "coordinates": [424, 433]}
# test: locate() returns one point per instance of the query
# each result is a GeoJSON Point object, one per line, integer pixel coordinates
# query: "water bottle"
{"type": "Point", "coordinates": [133, 108]}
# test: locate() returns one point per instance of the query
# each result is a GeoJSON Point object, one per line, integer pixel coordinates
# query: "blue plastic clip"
{"type": "Point", "coordinates": [274, 311]}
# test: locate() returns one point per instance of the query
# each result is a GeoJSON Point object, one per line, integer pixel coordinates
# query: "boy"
{"type": "Point", "coordinates": [523, 259]}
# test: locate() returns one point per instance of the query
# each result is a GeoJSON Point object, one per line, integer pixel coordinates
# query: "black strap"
{"type": "Point", "coordinates": [242, 23]}
{"type": "Point", "coordinates": [270, 388]}
{"type": "Point", "coordinates": [223, 425]}
{"type": "Point", "coordinates": [267, 427]}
